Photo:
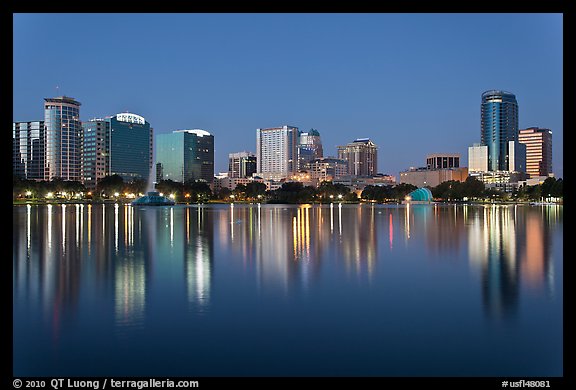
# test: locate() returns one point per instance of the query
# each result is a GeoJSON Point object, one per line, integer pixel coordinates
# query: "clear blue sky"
{"type": "Point", "coordinates": [410, 82]}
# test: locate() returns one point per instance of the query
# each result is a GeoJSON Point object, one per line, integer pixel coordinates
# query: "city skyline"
{"type": "Point", "coordinates": [345, 75]}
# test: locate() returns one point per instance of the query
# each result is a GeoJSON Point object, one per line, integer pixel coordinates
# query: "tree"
{"type": "Point", "coordinates": [473, 188]}
{"type": "Point", "coordinates": [327, 188]}
{"type": "Point", "coordinates": [110, 184]}
{"type": "Point", "coordinates": [223, 193]}
{"type": "Point", "coordinates": [197, 190]}
{"type": "Point", "coordinates": [558, 189]}
{"type": "Point", "coordinates": [255, 188]}
{"type": "Point", "coordinates": [170, 186]}
{"type": "Point", "coordinates": [400, 191]}
{"type": "Point", "coordinates": [546, 187]}
{"type": "Point", "coordinates": [240, 191]}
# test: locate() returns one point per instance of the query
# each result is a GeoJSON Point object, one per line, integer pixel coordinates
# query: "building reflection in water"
{"type": "Point", "coordinates": [198, 256]}
{"type": "Point", "coordinates": [286, 245]}
{"type": "Point", "coordinates": [131, 266]}
{"type": "Point", "coordinates": [122, 252]}
{"type": "Point", "coordinates": [508, 247]}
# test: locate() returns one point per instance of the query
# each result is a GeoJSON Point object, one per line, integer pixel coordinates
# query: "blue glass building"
{"type": "Point", "coordinates": [28, 150]}
{"type": "Point", "coordinates": [116, 145]}
{"type": "Point", "coordinates": [499, 125]}
{"type": "Point", "coordinates": [130, 146]}
{"type": "Point", "coordinates": [185, 155]}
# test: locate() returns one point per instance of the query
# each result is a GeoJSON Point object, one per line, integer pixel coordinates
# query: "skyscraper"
{"type": "Point", "coordinates": [499, 125]}
{"type": "Point", "coordinates": [116, 145]}
{"type": "Point", "coordinates": [185, 155]}
{"type": "Point", "coordinates": [241, 164]}
{"type": "Point", "coordinates": [277, 152]}
{"type": "Point", "coordinates": [63, 132]}
{"type": "Point", "coordinates": [95, 151]}
{"type": "Point", "coordinates": [362, 157]}
{"type": "Point", "coordinates": [538, 150]}
{"type": "Point", "coordinates": [130, 146]}
{"type": "Point", "coordinates": [28, 150]}
{"type": "Point", "coordinates": [309, 148]}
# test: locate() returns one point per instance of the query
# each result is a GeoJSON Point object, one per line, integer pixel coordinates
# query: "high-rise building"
{"type": "Point", "coordinates": [130, 146]}
{"type": "Point", "coordinates": [538, 150]}
{"type": "Point", "coordinates": [95, 152]}
{"type": "Point", "coordinates": [63, 143]}
{"type": "Point", "coordinates": [362, 157]}
{"type": "Point", "coordinates": [28, 150]}
{"type": "Point", "coordinates": [309, 148]}
{"type": "Point", "coordinates": [185, 155]}
{"type": "Point", "coordinates": [277, 152]}
{"type": "Point", "coordinates": [499, 125]}
{"type": "Point", "coordinates": [241, 164]}
{"type": "Point", "coordinates": [116, 145]}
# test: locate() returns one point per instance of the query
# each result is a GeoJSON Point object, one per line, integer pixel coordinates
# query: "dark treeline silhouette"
{"type": "Point", "coordinates": [114, 186]}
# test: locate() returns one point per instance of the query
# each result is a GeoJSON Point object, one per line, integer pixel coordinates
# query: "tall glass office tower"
{"type": "Point", "coordinates": [28, 150]}
{"type": "Point", "coordinates": [116, 145]}
{"type": "Point", "coordinates": [185, 155]}
{"type": "Point", "coordinates": [63, 138]}
{"type": "Point", "coordinates": [499, 117]}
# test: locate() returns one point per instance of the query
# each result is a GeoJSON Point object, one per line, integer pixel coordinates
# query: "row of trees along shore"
{"type": "Point", "coordinates": [115, 188]}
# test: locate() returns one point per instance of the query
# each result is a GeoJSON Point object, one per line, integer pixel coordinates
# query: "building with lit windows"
{"type": "Point", "coordinates": [361, 156]}
{"type": "Point", "coordinates": [326, 168]}
{"type": "Point", "coordinates": [185, 155]}
{"type": "Point", "coordinates": [277, 152]}
{"type": "Point", "coordinates": [95, 152]}
{"type": "Point", "coordinates": [116, 145]}
{"type": "Point", "coordinates": [63, 140]}
{"type": "Point", "coordinates": [478, 158]}
{"type": "Point", "coordinates": [28, 150]}
{"type": "Point", "coordinates": [538, 150]}
{"type": "Point", "coordinates": [241, 164]}
{"type": "Point", "coordinates": [499, 126]}
{"type": "Point", "coordinates": [309, 147]}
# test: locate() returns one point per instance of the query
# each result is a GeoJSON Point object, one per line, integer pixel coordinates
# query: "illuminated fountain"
{"type": "Point", "coordinates": [153, 198]}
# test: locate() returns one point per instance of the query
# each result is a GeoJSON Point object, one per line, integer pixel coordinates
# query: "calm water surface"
{"type": "Point", "coordinates": [243, 290]}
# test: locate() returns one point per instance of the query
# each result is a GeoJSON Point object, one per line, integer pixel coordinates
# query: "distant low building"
{"type": "Point", "coordinates": [357, 183]}
{"type": "Point", "coordinates": [505, 181]}
{"type": "Point", "coordinates": [443, 160]}
{"type": "Point", "coordinates": [423, 177]}
{"type": "Point", "coordinates": [326, 168]}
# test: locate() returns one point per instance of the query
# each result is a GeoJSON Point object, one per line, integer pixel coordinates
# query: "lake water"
{"type": "Point", "coordinates": [277, 290]}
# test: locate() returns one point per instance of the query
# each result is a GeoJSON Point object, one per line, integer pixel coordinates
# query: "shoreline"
{"type": "Point", "coordinates": [98, 202]}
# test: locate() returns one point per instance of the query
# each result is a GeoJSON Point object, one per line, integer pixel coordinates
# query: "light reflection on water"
{"type": "Point", "coordinates": [126, 267]}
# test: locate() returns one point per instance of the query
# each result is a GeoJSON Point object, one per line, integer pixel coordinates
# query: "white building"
{"type": "Point", "coordinates": [276, 152]}
{"type": "Point", "coordinates": [478, 158]}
